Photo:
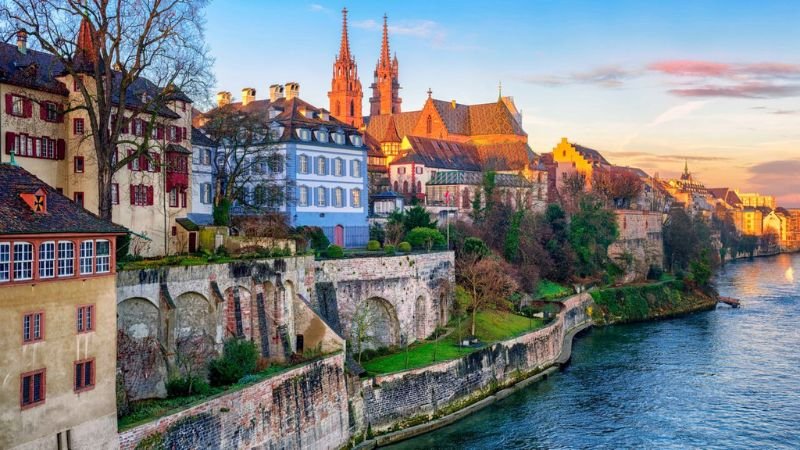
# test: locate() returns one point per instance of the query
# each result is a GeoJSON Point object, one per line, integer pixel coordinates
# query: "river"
{"type": "Point", "coordinates": [728, 378]}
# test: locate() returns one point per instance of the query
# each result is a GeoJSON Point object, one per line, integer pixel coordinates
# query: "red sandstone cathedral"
{"type": "Point", "coordinates": [491, 131]}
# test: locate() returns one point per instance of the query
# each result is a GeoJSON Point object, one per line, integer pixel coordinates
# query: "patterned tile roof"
{"type": "Point", "coordinates": [508, 156]}
{"type": "Point", "coordinates": [404, 123]}
{"type": "Point", "coordinates": [441, 154]}
{"type": "Point", "coordinates": [62, 214]}
{"type": "Point", "coordinates": [493, 118]}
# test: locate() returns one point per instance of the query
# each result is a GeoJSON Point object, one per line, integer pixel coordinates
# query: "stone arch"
{"type": "Point", "coordinates": [195, 315]}
{"type": "Point", "coordinates": [238, 312]}
{"type": "Point", "coordinates": [264, 322]}
{"type": "Point", "coordinates": [140, 363]}
{"type": "Point", "coordinates": [138, 317]}
{"type": "Point", "coordinates": [382, 326]}
{"type": "Point", "coordinates": [420, 318]}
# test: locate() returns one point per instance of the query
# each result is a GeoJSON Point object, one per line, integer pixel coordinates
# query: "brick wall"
{"type": "Point", "coordinates": [303, 408]}
{"type": "Point", "coordinates": [396, 400]}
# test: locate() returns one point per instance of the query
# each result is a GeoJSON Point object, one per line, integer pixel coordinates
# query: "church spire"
{"type": "Point", "coordinates": [84, 46]}
{"type": "Point", "coordinates": [344, 46]}
{"type": "Point", "coordinates": [385, 61]}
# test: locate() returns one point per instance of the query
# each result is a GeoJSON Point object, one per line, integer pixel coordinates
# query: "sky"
{"type": "Point", "coordinates": [648, 84]}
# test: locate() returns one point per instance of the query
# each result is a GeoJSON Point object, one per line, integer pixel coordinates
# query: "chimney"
{"type": "Point", "coordinates": [248, 95]}
{"type": "Point", "coordinates": [275, 92]}
{"type": "Point", "coordinates": [223, 98]}
{"type": "Point", "coordinates": [292, 90]}
{"type": "Point", "coordinates": [453, 103]}
{"type": "Point", "coordinates": [22, 41]}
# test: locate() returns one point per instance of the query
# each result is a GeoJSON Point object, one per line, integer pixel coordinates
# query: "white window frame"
{"type": "Point", "coordinates": [86, 260]}
{"type": "Point", "coordinates": [322, 165]}
{"type": "Point", "coordinates": [102, 262]}
{"type": "Point", "coordinates": [5, 262]}
{"type": "Point", "coordinates": [356, 168]}
{"type": "Point", "coordinates": [23, 261]}
{"type": "Point", "coordinates": [47, 259]}
{"type": "Point", "coordinates": [66, 259]}
{"type": "Point", "coordinates": [338, 197]}
{"type": "Point", "coordinates": [338, 167]}
{"type": "Point", "coordinates": [302, 196]}
{"type": "Point", "coordinates": [322, 194]}
{"type": "Point", "coordinates": [302, 164]}
{"type": "Point", "coordinates": [17, 102]}
{"type": "Point", "coordinates": [355, 198]}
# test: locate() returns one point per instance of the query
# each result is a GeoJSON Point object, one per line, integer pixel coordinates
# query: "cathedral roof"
{"type": "Point", "coordinates": [441, 154]}
{"type": "Point", "coordinates": [508, 156]}
{"type": "Point", "coordinates": [404, 123]}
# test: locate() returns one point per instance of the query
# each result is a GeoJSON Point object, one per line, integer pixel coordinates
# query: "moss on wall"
{"type": "Point", "coordinates": [649, 301]}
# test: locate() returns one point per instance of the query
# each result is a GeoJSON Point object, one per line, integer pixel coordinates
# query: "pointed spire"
{"type": "Point", "coordinates": [686, 166]}
{"type": "Point", "coordinates": [344, 47]}
{"type": "Point", "coordinates": [385, 59]}
{"type": "Point", "coordinates": [84, 46]}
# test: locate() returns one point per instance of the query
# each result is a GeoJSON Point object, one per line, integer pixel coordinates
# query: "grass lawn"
{"type": "Point", "coordinates": [549, 290]}
{"type": "Point", "coordinates": [490, 327]}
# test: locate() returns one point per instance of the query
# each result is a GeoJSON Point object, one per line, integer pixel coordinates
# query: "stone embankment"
{"type": "Point", "coordinates": [636, 303]}
{"type": "Point", "coordinates": [413, 402]}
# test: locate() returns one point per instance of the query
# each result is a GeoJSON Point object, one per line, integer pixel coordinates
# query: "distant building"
{"type": "Point", "coordinates": [204, 155]}
{"type": "Point", "coordinates": [459, 189]}
{"type": "Point", "coordinates": [569, 158]}
{"type": "Point", "coordinates": [757, 200]}
{"type": "Point", "coordinates": [322, 165]}
{"type": "Point", "coordinates": [58, 302]}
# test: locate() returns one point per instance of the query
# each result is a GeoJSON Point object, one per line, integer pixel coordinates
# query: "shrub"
{"type": "Point", "coordinates": [388, 249]}
{"type": "Point", "coordinates": [373, 246]}
{"type": "Point", "coordinates": [238, 359]}
{"type": "Point", "coordinates": [181, 387]}
{"type": "Point", "coordinates": [404, 247]}
{"type": "Point", "coordinates": [222, 212]}
{"type": "Point", "coordinates": [475, 246]}
{"type": "Point", "coordinates": [426, 238]}
{"type": "Point", "coordinates": [222, 251]}
{"type": "Point", "coordinates": [334, 252]}
{"type": "Point", "coordinates": [317, 237]}
{"type": "Point", "coordinates": [377, 233]}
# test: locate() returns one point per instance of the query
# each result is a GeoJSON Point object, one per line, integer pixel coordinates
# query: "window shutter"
{"type": "Point", "coordinates": [9, 141]}
{"type": "Point", "coordinates": [130, 162]}
{"type": "Point", "coordinates": [125, 125]}
{"type": "Point", "coordinates": [61, 149]}
{"type": "Point", "coordinates": [160, 132]}
{"type": "Point", "coordinates": [9, 103]}
{"type": "Point", "coordinates": [27, 107]}
{"type": "Point", "coordinates": [33, 146]}
{"type": "Point", "coordinates": [157, 162]}
{"type": "Point", "coordinates": [43, 111]}
{"type": "Point", "coordinates": [60, 116]}
{"type": "Point", "coordinates": [143, 163]}
{"type": "Point", "coordinates": [149, 195]}
{"type": "Point", "coordinates": [74, 126]}
{"type": "Point", "coordinates": [184, 132]}
{"type": "Point", "coordinates": [133, 195]}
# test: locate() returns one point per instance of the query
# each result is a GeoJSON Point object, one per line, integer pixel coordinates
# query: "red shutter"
{"type": "Point", "coordinates": [133, 195]}
{"type": "Point", "coordinates": [160, 132]}
{"type": "Point", "coordinates": [149, 195]}
{"type": "Point", "coordinates": [143, 163]}
{"type": "Point", "coordinates": [74, 126]}
{"type": "Point", "coordinates": [125, 126]}
{"type": "Point", "coordinates": [130, 162]}
{"type": "Point", "coordinates": [9, 141]}
{"type": "Point", "coordinates": [9, 103]}
{"type": "Point", "coordinates": [157, 161]}
{"type": "Point", "coordinates": [184, 133]}
{"type": "Point", "coordinates": [60, 114]}
{"type": "Point", "coordinates": [43, 111]}
{"type": "Point", "coordinates": [61, 149]}
{"type": "Point", "coordinates": [33, 147]}
{"type": "Point", "coordinates": [27, 108]}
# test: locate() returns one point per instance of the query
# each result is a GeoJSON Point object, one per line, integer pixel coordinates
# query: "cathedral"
{"type": "Point", "coordinates": [494, 129]}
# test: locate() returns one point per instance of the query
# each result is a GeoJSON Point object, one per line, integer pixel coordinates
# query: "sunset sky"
{"type": "Point", "coordinates": [649, 84]}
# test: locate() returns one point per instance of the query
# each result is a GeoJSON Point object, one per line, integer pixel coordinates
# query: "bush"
{"type": "Point", "coordinates": [404, 247]}
{"type": "Point", "coordinates": [182, 387]}
{"type": "Point", "coordinates": [222, 212]}
{"type": "Point", "coordinates": [334, 252]}
{"type": "Point", "coordinates": [373, 246]}
{"type": "Point", "coordinates": [317, 237]}
{"type": "Point", "coordinates": [222, 251]}
{"type": "Point", "coordinates": [389, 249]}
{"type": "Point", "coordinates": [426, 238]}
{"type": "Point", "coordinates": [238, 359]}
{"type": "Point", "coordinates": [377, 233]}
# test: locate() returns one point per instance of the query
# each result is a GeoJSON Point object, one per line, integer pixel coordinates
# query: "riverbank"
{"type": "Point", "coordinates": [637, 303]}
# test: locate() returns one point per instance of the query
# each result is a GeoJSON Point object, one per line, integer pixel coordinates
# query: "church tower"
{"type": "Point", "coordinates": [346, 95]}
{"type": "Point", "coordinates": [386, 87]}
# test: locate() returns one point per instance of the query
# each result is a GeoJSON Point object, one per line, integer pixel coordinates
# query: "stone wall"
{"type": "Point", "coordinates": [405, 296]}
{"type": "Point", "coordinates": [303, 408]}
{"type": "Point", "coordinates": [398, 400]}
{"type": "Point", "coordinates": [640, 244]}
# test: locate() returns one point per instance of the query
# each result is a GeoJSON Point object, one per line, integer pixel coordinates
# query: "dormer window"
{"type": "Point", "coordinates": [275, 131]}
{"type": "Point", "coordinates": [355, 140]}
{"type": "Point", "coordinates": [274, 112]}
{"type": "Point", "coordinates": [321, 135]}
{"type": "Point", "coordinates": [338, 138]}
{"type": "Point", "coordinates": [303, 134]}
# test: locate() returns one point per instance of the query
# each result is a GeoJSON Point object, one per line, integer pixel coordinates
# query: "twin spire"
{"type": "Point", "coordinates": [344, 46]}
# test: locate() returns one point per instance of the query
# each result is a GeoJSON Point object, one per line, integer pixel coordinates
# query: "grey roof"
{"type": "Point", "coordinates": [458, 177]}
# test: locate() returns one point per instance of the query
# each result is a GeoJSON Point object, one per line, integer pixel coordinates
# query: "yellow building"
{"type": "Point", "coordinates": [570, 158]}
{"type": "Point", "coordinates": [58, 304]}
{"type": "Point", "coordinates": [752, 221]}
{"type": "Point", "coordinates": [756, 200]}
{"type": "Point", "coordinates": [148, 195]}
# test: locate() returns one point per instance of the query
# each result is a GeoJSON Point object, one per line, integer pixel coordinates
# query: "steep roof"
{"type": "Point", "coordinates": [200, 139]}
{"type": "Point", "coordinates": [404, 123]}
{"type": "Point", "coordinates": [727, 195]}
{"type": "Point", "coordinates": [590, 154]}
{"type": "Point", "coordinates": [493, 118]}
{"type": "Point", "coordinates": [62, 214]}
{"type": "Point", "coordinates": [456, 177]}
{"type": "Point", "coordinates": [441, 154]}
{"type": "Point", "coordinates": [508, 156]}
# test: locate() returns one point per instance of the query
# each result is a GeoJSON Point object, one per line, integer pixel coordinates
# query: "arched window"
{"type": "Point", "coordinates": [396, 186]}
{"type": "Point", "coordinates": [405, 187]}
{"type": "Point", "coordinates": [429, 124]}
{"type": "Point", "coordinates": [352, 108]}
{"type": "Point", "coordinates": [302, 163]}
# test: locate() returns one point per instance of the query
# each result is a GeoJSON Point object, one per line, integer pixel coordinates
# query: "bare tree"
{"type": "Point", "coordinates": [138, 55]}
{"type": "Point", "coordinates": [617, 186]}
{"type": "Point", "coordinates": [487, 281]}
{"type": "Point", "coordinates": [363, 319]}
{"type": "Point", "coordinates": [247, 156]}
{"type": "Point", "coordinates": [573, 185]}
{"type": "Point", "coordinates": [192, 354]}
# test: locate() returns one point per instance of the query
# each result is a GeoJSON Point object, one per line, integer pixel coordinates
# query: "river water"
{"type": "Point", "coordinates": [728, 378]}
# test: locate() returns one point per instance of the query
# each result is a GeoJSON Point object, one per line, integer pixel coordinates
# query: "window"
{"type": "Point", "coordinates": [5, 256]}
{"type": "Point", "coordinates": [401, 170]}
{"type": "Point", "coordinates": [32, 388]}
{"type": "Point", "coordinates": [87, 257]}
{"type": "Point", "coordinates": [46, 148]}
{"type": "Point", "coordinates": [138, 127]}
{"type": "Point", "coordinates": [50, 112]}
{"type": "Point", "coordinates": [78, 164]}
{"type": "Point", "coordinates": [357, 169]}
{"type": "Point", "coordinates": [77, 126]}
{"type": "Point", "coordinates": [85, 319]}
{"type": "Point", "coordinates": [338, 197]}
{"type": "Point", "coordinates": [141, 195]}
{"type": "Point", "coordinates": [321, 135]}
{"type": "Point", "coordinates": [174, 231]}
{"type": "Point", "coordinates": [303, 134]}
{"type": "Point", "coordinates": [66, 259]}
{"type": "Point", "coordinates": [275, 163]}
{"type": "Point", "coordinates": [303, 196]}
{"type": "Point", "coordinates": [33, 327]}
{"type": "Point", "coordinates": [84, 375]}
{"type": "Point", "coordinates": [338, 165]}
{"type": "Point", "coordinates": [134, 163]}
{"type": "Point", "coordinates": [322, 165]}
{"type": "Point", "coordinates": [205, 196]}
{"type": "Point", "coordinates": [321, 194]}
{"type": "Point", "coordinates": [356, 198]}
{"type": "Point", "coordinates": [47, 257]}
{"type": "Point", "coordinates": [115, 193]}
{"type": "Point", "coordinates": [206, 156]}
{"type": "Point", "coordinates": [429, 124]}
{"type": "Point", "coordinates": [418, 170]}
{"type": "Point", "coordinates": [338, 138]}
{"type": "Point", "coordinates": [355, 140]}
{"type": "Point", "coordinates": [103, 257]}
{"type": "Point", "coordinates": [302, 164]}
{"type": "Point", "coordinates": [173, 197]}
{"type": "Point", "coordinates": [78, 198]}
{"type": "Point", "coordinates": [23, 260]}
{"type": "Point", "coordinates": [18, 106]}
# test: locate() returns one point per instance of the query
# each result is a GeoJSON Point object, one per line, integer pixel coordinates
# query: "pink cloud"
{"type": "Point", "coordinates": [745, 90]}
{"type": "Point", "coordinates": [691, 68]}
